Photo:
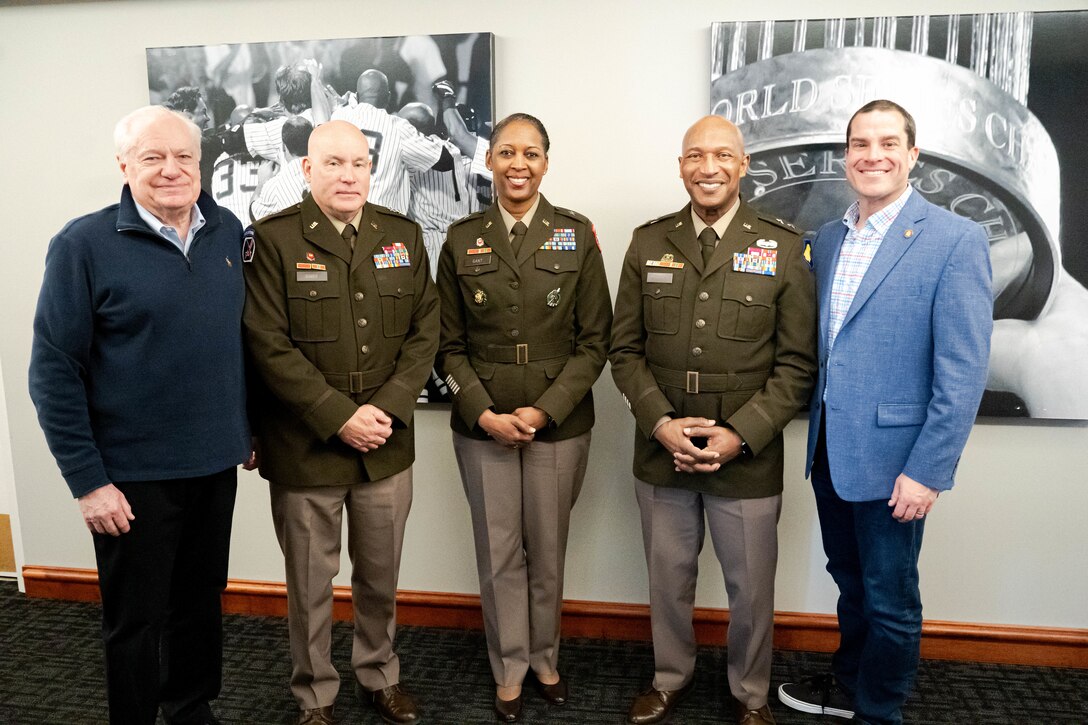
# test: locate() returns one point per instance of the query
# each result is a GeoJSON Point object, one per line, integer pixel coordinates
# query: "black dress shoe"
{"type": "Point", "coordinates": [392, 703]}
{"type": "Point", "coordinates": [507, 710]}
{"type": "Point", "coordinates": [555, 693]}
{"type": "Point", "coordinates": [654, 706]}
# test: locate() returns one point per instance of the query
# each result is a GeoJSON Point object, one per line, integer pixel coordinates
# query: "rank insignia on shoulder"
{"type": "Point", "coordinates": [665, 261]}
{"type": "Point", "coordinates": [249, 245]}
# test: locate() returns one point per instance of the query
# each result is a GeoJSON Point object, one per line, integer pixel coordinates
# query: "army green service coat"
{"type": "Point", "coordinates": [325, 341]}
{"type": "Point", "coordinates": [750, 338]}
{"type": "Point", "coordinates": [526, 331]}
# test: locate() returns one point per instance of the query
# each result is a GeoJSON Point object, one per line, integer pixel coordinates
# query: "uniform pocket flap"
{"type": "Point", "coordinates": [556, 262]}
{"type": "Point", "coordinates": [394, 283]}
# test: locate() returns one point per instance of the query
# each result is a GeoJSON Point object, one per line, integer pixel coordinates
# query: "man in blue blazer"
{"type": "Point", "coordinates": [905, 315]}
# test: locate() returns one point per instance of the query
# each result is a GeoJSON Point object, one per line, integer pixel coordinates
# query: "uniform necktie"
{"type": "Point", "coordinates": [349, 235]}
{"type": "Point", "coordinates": [708, 238]}
{"type": "Point", "coordinates": [519, 229]}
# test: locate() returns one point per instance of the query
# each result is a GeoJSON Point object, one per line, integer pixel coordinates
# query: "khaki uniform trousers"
{"type": "Point", "coordinates": [744, 532]}
{"type": "Point", "coordinates": [308, 525]}
{"type": "Point", "coordinates": [520, 502]}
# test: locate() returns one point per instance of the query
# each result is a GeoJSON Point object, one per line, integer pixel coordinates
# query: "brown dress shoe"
{"type": "Point", "coordinates": [507, 710]}
{"type": "Point", "coordinates": [556, 693]}
{"type": "Point", "coordinates": [316, 716]}
{"type": "Point", "coordinates": [654, 706]}
{"type": "Point", "coordinates": [393, 704]}
{"type": "Point", "coordinates": [761, 716]}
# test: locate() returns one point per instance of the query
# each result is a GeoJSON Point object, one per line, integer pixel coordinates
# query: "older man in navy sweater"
{"type": "Point", "coordinates": [137, 375]}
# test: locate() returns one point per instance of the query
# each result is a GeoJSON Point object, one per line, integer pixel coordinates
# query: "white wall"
{"type": "Point", "coordinates": [617, 83]}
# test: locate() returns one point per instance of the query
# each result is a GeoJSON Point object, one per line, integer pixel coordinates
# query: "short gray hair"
{"type": "Point", "coordinates": [129, 127]}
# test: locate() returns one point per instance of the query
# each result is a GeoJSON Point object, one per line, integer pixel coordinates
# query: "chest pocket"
{"type": "Point", "coordinates": [747, 310]}
{"type": "Point", "coordinates": [556, 262]}
{"type": "Point", "coordinates": [313, 308]}
{"type": "Point", "coordinates": [661, 302]}
{"type": "Point", "coordinates": [398, 298]}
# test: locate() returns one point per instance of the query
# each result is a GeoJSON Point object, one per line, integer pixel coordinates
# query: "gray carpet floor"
{"type": "Point", "coordinates": [51, 672]}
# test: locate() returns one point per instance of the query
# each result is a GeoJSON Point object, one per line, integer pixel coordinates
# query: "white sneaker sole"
{"type": "Point", "coordinates": [808, 707]}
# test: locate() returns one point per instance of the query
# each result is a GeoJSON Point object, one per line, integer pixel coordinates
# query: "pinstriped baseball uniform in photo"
{"type": "Point", "coordinates": [439, 198]}
{"type": "Point", "coordinates": [234, 179]}
{"type": "Point", "coordinates": [284, 189]}
{"type": "Point", "coordinates": [395, 148]}
{"type": "Point", "coordinates": [265, 138]}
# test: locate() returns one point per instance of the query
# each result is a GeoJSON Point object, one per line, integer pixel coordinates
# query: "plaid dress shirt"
{"type": "Point", "coordinates": [857, 252]}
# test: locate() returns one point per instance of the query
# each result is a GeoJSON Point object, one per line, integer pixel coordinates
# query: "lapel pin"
{"type": "Point", "coordinates": [747, 226]}
{"type": "Point", "coordinates": [487, 226]}
{"type": "Point", "coordinates": [546, 222]}
{"type": "Point", "coordinates": [909, 233]}
{"type": "Point", "coordinates": [313, 224]}
{"type": "Point", "coordinates": [374, 226]}
{"type": "Point", "coordinates": [479, 241]}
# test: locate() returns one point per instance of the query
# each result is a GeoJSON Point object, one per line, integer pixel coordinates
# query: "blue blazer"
{"type": "Point", "coordinates": [904, 380]}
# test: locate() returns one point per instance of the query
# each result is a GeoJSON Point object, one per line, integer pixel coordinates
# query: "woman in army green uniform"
{"type": "Point", "coordinates": [526, 318]}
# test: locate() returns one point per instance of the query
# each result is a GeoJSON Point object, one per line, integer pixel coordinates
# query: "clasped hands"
{"type": "Point", "coordinates": [367, 428]}
{"type": "Point", "coordinates": [722, 444]}
{"type": "Point", "coordinates": [513, 430]}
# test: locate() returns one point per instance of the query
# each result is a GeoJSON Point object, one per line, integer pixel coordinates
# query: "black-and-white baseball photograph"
{"type": "Point", "coordinates": [423, 101]}
{"type": "Point", "coordinates": [1000, 141]}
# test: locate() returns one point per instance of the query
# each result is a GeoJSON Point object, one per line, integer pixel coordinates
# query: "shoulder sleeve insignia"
{"type": "Point", "coordinates": [249, 244]}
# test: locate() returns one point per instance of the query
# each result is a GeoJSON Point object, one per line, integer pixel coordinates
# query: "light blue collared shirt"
{"type": "Point", "coordinates": [169, 233]}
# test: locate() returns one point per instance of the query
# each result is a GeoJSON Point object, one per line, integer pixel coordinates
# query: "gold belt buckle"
{"type": "Point", "coordinates": [523, 353]}
{"type": "Point", "coordinates": [693, 382]}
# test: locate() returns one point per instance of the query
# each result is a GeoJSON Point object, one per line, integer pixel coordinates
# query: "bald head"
{"type": "Point", "coordinates": [419, 115]}
{"type": "Point", "coordinates": [373, 88]}
{"type": "Point", "coordinates": [337, 166]}
{"type": "Point", "coordinates": [712, 163]}
{"type": "Point", "coordinates": [712, 125]}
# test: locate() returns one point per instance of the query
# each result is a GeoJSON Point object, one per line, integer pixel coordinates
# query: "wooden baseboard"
{"type": "Point", "coordinates": [1004, 644]}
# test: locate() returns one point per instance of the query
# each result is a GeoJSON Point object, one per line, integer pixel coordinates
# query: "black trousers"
{"type": "Point", "coordinates": [161, 589]}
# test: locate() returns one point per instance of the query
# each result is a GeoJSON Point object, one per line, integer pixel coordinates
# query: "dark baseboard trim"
{"type": "Point", "coordinates": [998, 643]}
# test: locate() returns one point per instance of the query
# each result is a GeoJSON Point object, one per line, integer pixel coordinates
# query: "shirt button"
{"type": "Point", "coordinates": [696, 351]}
{"type": "Point", "coordinates": [359, 295]}
{"type": "Point", "coordinates": [513, 308]}
{"type": "Point", "coordinates": [313, 293]}
{"type": "Point", "coordinates": [365, 349]}
{"type": "Point", "coordinates": [514, 333]}
{"type": "Point", "coordinates": [555, 266]}
{"type": "Point", "coordinates": [700, 324]}
{"type": "Point", "coordinates": [514, 285]}
{"type": "Point", "coordinates": [361, 322]}
{"type": "Point", "coordinates": [747, 298]}
{"type": "Point", "coordinates": [704, 296]}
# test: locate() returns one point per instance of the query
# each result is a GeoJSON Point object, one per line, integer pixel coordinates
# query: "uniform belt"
{"type": "Point", "coordinates": [691, 381]}
{"type": "Point", "coordinates": [357, 382]}
{"type": "Point", "coordinates": [519, 354]}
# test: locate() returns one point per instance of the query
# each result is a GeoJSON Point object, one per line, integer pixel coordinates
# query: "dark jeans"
{"type": "Point", "coordinates": [161, 589]}
{"type": "Point", "coordinates": [874, 561]}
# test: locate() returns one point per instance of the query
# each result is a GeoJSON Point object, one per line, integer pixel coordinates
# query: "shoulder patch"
{"type": "Point", "coordinates": [573, 215]}
{"type": "Point", "coordinates": [249, 244]}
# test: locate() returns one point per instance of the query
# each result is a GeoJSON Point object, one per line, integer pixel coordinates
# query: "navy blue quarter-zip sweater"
{"type": "Point", "coordinates": [137, 368]}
